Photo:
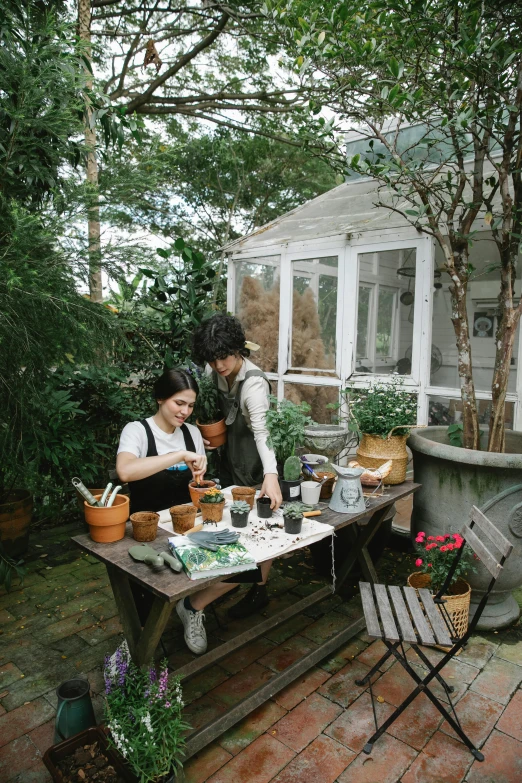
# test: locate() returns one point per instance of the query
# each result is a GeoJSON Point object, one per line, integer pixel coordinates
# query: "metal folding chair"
{"type": "Point", "coordinates": [423, 619]}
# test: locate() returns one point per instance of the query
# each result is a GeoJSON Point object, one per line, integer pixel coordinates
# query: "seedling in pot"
{"type": "Point", "coordinates": [293, 516]}
{"type": "Point", "coordinates": [239, 511]}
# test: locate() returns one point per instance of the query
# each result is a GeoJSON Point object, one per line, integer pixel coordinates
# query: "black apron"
{"type": "Point", "coordinates": [240, 461]}
{"type": "Point", "coordinates": [167, 487]}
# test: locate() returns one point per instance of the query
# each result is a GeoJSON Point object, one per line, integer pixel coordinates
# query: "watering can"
{"type": "Point", "coordinates": [75, 712]}
{"type": "Point", "coordinates": [348, 496]}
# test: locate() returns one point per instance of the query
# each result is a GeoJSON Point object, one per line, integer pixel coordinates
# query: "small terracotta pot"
{"type": "Point", "coordinates": [247, 494]}
{"type": "Point", "coordinates": [196, 491]}
{"type": "Point", "coordinates": [183, 517]}
{"type": "Point", "coordinates": [107, 525]}
{"type": "Point", "coordinates": [212, 512]}
{"type": "Point", "coordinates": [144, 525]}
{"type": "Point", "coordinates": [215, 433]}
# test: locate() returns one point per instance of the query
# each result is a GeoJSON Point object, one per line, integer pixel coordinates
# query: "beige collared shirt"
{"type": "Point", "coordinates": [254, 405]}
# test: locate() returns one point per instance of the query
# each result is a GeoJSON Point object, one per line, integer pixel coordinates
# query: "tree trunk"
{"type": "Point", "coordinates": [471, 433]}
{"type": "Point", "coordinates": [93, 204]}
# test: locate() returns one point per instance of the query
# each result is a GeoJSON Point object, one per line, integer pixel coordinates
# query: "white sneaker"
{"type": "Point", "coordinates": [195, 635]}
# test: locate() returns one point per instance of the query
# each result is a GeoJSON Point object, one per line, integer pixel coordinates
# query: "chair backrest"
{"type": "Point", "coordinates": [489, 560]}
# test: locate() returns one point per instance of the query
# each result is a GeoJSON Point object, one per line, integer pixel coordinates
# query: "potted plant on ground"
{"type": "Point", "coordinates": [209, 419]}
{"type": "Point", "coordinates": [286, 422]}
{"type": "Point", "coordinates": [383, 416]}
{"type": "Point", "coordinates": [212, 504]}
{"type": "Point", "coordinates": [239, 511]}
{"type": "Point", "coordinates": [435, 555]}
{"type": "Point", "coordinates": [293, 516]}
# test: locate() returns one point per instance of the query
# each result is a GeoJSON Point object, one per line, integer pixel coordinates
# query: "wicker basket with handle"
{"type": "Point", "coordinates": [373, 451]}
{"type": "Point", "coordinates": [457, 600]}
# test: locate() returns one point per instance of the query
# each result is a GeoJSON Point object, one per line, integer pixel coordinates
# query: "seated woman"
{"type": "Point", "coordinates": [158, 457]}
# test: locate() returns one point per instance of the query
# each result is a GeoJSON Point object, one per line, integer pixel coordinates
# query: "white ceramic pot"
{"type": "Point", "coordinates": [310, 491]}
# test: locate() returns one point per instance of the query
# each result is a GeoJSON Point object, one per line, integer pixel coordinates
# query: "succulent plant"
{"type": "Point", "coordinates": [292, 469]}
{"type": "Point", "coordinates": [213, 496]}
{"type": "Point", "coordinates": [295, 510]}
{"type": "Point", "coordinates": [240, 507]}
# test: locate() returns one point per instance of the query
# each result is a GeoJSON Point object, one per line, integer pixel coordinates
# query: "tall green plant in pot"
{"type": "Point", "coordinates": [286, 423]}
{"type": "Point", "coordinates": [209, 418]}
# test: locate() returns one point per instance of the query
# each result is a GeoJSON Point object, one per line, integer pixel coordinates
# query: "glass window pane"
{"type": "Point", "coordinates": [482, 306]}
{"type": "Point", "coordinates": [318, 397]}
{"type": "Point", "coordinates": [444, 411]}
{"type": "Point", "coordinates": [257, 307]}
{"type": "Point", "coordinates": [314, 313]}
{"type": "Point", "coordinates": [385, 311]}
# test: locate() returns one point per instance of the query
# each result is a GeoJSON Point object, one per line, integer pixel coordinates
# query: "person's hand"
{"type": "Point", "coordinates": [208, 446]}
{"type": "Point", "coordinates": [272, 490]}
{"type": "Point", "coordinates": [197, 463]}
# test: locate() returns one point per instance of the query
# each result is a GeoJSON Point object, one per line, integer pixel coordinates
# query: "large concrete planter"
{"type": "Point", "coordinates": [455, 479]}
{"type": "Point", "coordinates": [326, 439]}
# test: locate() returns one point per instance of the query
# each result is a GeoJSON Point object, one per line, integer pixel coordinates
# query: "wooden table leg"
{"type": "Point", "coordinates": [142, 641]}
{"type": "Point", "coordinates": [359, 552]}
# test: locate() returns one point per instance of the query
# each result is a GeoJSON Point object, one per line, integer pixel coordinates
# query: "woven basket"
{"type": "Point", "coordinates": [244, 493]}
{"type": "Point", "coordinates": [183, 517]}
{"type": "Point", "coordinates": [144, 525]}
{"type": "Point", "coordinates": [212, 512]}
{"type": "Point", "coordinates": [373, 451]}
{"type": "Point", "coordinates": [457, 602]}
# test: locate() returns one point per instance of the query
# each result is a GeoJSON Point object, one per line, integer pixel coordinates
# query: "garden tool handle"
{"type": "Point", "coordinates": [153, 560]}
{"type": "Point", "coordinates": [173, 562]}
{"type": "Point", "coordinates": [194, 529]}
{"type": "Point", "coordinates": [316, 513]}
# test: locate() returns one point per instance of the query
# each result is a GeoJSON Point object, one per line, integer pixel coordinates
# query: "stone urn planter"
{"type": "Point", "coordinates": [453, 480]}
{"type": "Point", "coordinates": [326, 439]}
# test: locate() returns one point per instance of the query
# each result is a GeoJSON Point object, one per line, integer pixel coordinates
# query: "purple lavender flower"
{"type": "Point", "coordinates": [167, 704]}
{"type": "Point", "coordinates": [152, 674]}
{"type": "Point", "coordinates": [163, 683]}
{"type": "Point", "coordinates": [122, 666]}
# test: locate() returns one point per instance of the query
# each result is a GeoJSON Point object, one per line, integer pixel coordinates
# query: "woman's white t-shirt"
{"type": "Point", "coordinates": [133, 440]}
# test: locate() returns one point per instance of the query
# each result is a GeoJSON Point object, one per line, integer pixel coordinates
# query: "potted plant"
{"type": "Point", "coordinates": [209, 419]}
{"type": "Point", "coordinates": [293, 516]}
{"type": "Point", "coordinates": [16, 510]}
{"type": "Point", "coordinates": [435, 555]}
{"type": "Point", "coordinates": [212, 504]}
{"type": "Point", "coordinates": [239, 511]}
{"type": "Point", "coordinates": [286, 422]}
{"type": "Point", "coordinates": [198, 490]}
{"type": "Point", "coordinates": [383, 415]}
{"type": "Point", "coordinates": [107, 523]}
{"type": "Point", "coordinates": [291, 481]}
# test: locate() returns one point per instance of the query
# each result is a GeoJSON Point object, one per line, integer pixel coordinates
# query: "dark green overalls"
{"type": "Point", "coordinates": [240, 462]}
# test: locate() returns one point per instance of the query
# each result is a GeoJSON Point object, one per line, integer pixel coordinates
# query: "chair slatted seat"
{"type": "Point", "coordinates": [401, 614]}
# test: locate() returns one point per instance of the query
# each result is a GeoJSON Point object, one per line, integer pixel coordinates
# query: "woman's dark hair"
{"type": "Point", "coordinates": [172, 382]}
{"type": "Point", "coordinates": [218, 337]}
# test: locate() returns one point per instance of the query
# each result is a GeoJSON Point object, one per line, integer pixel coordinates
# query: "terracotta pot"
{"type": "Point", "coordinates": [215, 433]}
{"type": "Point", "coordinates": [107, 525]}
{"type": "Point", "coordinates": [183, 517]}
{"type": "Point", "coordinates": [196, 491]}
{"type": "Point", "coordinates": [144, 525]}
{"type": "Point", "coordinates": [244, 493]}
{"type": "Point", "coordinates": [212, 512]}
{"type": "Point", "coordinates": [15, 518]}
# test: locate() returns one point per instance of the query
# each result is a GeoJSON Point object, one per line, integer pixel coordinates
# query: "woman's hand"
{"type": "Point", "coordinates": [207, 445]}
{"type": "Point", "coordinates": [197, 463]}
{"type": "Point", "coordinates": [272, 490]}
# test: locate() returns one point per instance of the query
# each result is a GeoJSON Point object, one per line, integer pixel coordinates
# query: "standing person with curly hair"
{"type": "Point", "coordinates": [220, 343]}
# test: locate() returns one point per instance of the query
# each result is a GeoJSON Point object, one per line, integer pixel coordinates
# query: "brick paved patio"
{"type": "Point", "coordinates": [64, 621]}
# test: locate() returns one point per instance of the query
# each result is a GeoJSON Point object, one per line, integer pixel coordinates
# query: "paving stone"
{"type": "Point", "coordinates": [327, 605]}
{"type": "Point", "coordinates": [395, 685]}
{"type": "Point", "coordinates": [289, 628]}
{"type": "Point", "coordinates": [478, 651]}
{"type": "Point", "coordinates": [355, 725]}
{"type": "Point", "coordinates": [321, 762]}
{"type": "Point", "coordinates": [443, 760]}
{"type": "Point", "coordinates": [300, 726]}
{"type": "Point", "coordinates": [240, 685]}
{"type": "Point", "coordinates": [302, 687]}
{"type": "Point", "coordinates": [202, 683]}
{"type": "Point", "coordinates": [250, 728]}
{"type": "Point", "coordinates": [43, 736]}
{"type": "Point", "coordinates": [101, 630]}
{"type": "Point", "coordinates": [372, 655]}
{"type": "Point", "coordinates": [9, 673]}
{"type": "Point", "coordinates": [104, 609]}
{"type": "Point", "coordinates": [477, 716]}
{"type": "Point", "coordinates": [202, 711]}
{"type": "Point", "coordinates": [29, 689]}
{"type": "Point", "coordinates": [5, 617]}
{"type": "Point", "coordinates": [340, 658]}
{"type": "Point", "coordinates": [417, 723]}
{"type": "Point", "coordinates": [510, 652]}
{"type": "Point", "coordinates": [67, 627]}
{"type": "Point", "coordinates": [286, 654]}
{"type": "Point", "coordinates": [16, 757]}
{"type": "Point", "coordinates": [388, 760]}
{"type": "Point", "coordinates": [205, 763]}
{"type": "Point", "coordinates": [37, 774]}
{"type": "Point", "coordinates": [341, 688]}
{"type": "Point", "coordinates": [23, 719]}
{"type": "Point", "coordinates": [510, 721]}
{"type": "Point", "coordinates": [455, 672]}
{"type": "Point", "coordinates": [325, 627]}
{"type": "Point", "coordinates": [246, 655]}
{"type": "Point", "coordinates": [70, 646]}
{"type": "Point", "coordinates": [258, 763]}
{"type": "Point", "coordinates": [502, 761]}
{"type": "Point", "coordinates": [498, 680]}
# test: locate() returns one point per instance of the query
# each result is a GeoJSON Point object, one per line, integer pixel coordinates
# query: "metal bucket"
{"type": "Point", "coordinates": [75, 712]}
{"type": "Point", "coordinates": [348, 496]}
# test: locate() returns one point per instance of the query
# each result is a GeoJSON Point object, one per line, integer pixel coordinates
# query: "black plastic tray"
{"type": "Point", "coordinates": [87, 737]}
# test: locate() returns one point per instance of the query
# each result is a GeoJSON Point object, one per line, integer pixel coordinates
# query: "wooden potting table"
{"type": "Point", "coordinates": [168, 588]}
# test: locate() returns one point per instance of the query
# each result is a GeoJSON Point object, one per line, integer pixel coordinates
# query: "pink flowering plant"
{"type": "Point", "coordinates": [143, 712]}
{"type": "Point", "coordinates": [435, 556]}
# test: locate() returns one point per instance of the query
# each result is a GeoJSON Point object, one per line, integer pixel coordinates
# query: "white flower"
{"type": "Point", "coordinates": [146, 720]}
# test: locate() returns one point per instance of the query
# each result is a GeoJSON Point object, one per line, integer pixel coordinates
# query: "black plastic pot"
{"type": "Point", "coordinates": [56, 753]}
{"type": "Point", "coordinates": [292, 525]}
{"type": "Point", "coordinates": [239, 519]}
{"type": "Point", "coordinates": [263, 508]}
{"type": "Point", "coordinates": [291, 490]}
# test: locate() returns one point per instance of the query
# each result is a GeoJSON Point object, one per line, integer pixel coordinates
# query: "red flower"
{"type": "Point", "coordinates": [418, 562]}
{"type": "Point", "coordinates": [450, 546]}
{"type": "Point", "coordinates": [447, 535]}
{"type": "Point", "coordinates": [431, 538]}
{"type": "Point", "coordinates": [421, 533]}
{"type": "Point", "coordinates": [444, 549]}
{"type": "Point", "coordinates": [430, 565]}
{"type": "Point", "coordinates": [439, 538]}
